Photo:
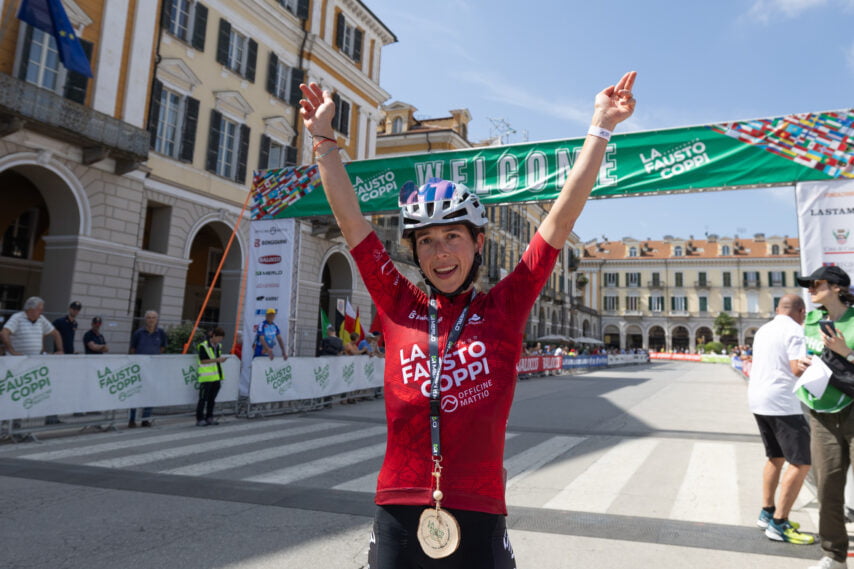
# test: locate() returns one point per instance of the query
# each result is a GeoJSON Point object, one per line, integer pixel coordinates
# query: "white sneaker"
{"type": "Point", "coordinates": [830, 563]}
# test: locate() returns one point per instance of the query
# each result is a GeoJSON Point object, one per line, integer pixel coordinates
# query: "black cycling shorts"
{"type": "Point", "coordinates": [484, 543]}
{"type": "Point", "coordinates": [785, 436]}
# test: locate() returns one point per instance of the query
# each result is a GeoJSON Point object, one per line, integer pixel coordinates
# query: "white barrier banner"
{"type": "Point", "coordinates": [307, 378]}
{"type": "Point", "coordinates": [825, 221]}
{"type": "Point", "coordinates": [623, 359]}
{"type": "Point", "coordinates": [35, 386]}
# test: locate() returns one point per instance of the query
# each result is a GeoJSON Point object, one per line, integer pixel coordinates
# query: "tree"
{"type": "Point", "coordinates": [724, 326]}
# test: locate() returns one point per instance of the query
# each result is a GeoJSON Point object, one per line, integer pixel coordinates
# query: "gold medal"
{"type": "Point", "coordinates": [438, 530]}
{"type": "Point", "coordinates": [438, 533]}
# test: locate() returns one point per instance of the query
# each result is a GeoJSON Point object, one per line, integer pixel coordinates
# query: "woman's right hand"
{"type": "Point", "coordinates": [317, 110]}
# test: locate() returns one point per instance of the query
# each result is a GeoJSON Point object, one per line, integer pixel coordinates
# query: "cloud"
{"type": "Point", "coordinates": [766, 10]}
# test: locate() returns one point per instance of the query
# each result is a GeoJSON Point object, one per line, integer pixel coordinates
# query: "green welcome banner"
{"type": "Point", "coordinates": [762, 152]}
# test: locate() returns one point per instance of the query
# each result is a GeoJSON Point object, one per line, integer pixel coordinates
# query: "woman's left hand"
{"type": "Point", "coordinates": [836, 343]}
{"type": "Point", "coordinates": [616, 103]}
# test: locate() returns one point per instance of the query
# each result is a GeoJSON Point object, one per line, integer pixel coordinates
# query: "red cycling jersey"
{"type": "Point", "coordinates": [478, 379]}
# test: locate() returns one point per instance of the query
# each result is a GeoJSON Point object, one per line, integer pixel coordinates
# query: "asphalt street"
{"type": "Point", "coordinates": [646, 467]}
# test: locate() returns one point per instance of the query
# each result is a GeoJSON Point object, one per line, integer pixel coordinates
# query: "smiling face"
{"type": "Point", "coordinates": [446, 254]}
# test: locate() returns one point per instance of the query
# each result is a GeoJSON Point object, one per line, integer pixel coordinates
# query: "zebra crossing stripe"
{"type": "Point", "coordinates": [595, 489]}
{"type": "Point", "coordinates": [211, 446]}
{"type": "Point", "coordinates": [247, 458]}
{"type": "Point", "coordinates": [320, 466]}
{"type": "Point", "coordinates": [521, 465]}
{"type": "Point", "coordinates": [128, 443]}
{"type": "Point", "coordinates": [708, 490]}
{"type": "Point", "coordinates": [368, 482]}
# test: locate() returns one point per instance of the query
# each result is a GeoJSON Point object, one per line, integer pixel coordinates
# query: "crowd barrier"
{"type": "Point", "coordinates": [705, 358]}
{"type": "Point", "coordinates": [93, 389]}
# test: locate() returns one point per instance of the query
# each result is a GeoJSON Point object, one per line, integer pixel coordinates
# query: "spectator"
{"type": "Point", "coordinates": [352, 348]}
{"type": "Point", "coordinates": [267, 335]}
{"type": "Point", "coordinates": [93, 340]}
{"type": "Point", "coordinates": [67, 327]}
{"type": "Point", "coordinates": [331, 344]}
{"type": "Point", "coordinates": [237, 349]}
{"type": "Point", "coordinates": [830, 417]}
{"type": "Point", "coordinates": [24, 332]}
{"type": "Point", "coordinates": [210, 377]}
{"type": "Point", "coordinates": [148, 340]}
{"type": "Point", "coordinates": [781, 359]}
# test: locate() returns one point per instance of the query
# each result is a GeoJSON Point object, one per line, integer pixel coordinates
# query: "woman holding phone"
{"type": "Point", "coordinates": [829, 330]}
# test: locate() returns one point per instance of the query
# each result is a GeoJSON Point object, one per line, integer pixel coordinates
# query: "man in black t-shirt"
{"type": "Point", "coordinates": [93, 340]}
{"type": "Point", "coordinates": [67, 327]}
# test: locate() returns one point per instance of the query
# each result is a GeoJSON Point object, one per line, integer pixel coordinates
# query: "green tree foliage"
{"type": "Point", "coordinates": [176, 337]}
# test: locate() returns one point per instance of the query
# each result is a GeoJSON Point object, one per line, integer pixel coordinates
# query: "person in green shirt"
{"type": "Point", "coordinates": [831, 414]}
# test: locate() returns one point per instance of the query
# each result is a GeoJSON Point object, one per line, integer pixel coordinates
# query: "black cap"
{"type": "Point", "coordinates": [75, 305]}
{"type": "Point", "coordinates": [96, 319]}
{"type": "Point", "coordinates": [833, 275]}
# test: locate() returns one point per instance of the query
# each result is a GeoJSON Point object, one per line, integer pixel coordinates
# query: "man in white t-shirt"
{"type": "Point", "coordinates": [25, 331]}
{"type": "Point", "coordinates": [779, 358]}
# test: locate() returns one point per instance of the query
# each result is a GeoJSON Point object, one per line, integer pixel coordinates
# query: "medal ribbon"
{"type": "Point", "coordinates": [436, 366]}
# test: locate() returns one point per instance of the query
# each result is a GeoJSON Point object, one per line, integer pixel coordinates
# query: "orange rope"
{"type": "Point", "coordinates": [218, 271]}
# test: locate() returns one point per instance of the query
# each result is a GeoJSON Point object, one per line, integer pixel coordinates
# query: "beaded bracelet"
{"type": "Point", "coordinates": [330, 151]}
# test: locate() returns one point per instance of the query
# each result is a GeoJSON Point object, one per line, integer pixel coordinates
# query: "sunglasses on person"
{"type": "Point", "coordinates": [815, 284]}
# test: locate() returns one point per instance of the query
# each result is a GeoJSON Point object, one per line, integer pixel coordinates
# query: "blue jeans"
{"type": "Point", "coordinates": [146, 413]}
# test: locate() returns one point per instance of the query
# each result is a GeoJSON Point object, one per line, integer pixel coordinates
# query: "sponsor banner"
{"type": "Point", "coordinates": [537, 364]}
{"type": "Point", "coordinates": [34, 386]}
{"type": "Point", "coordinates": [584, 361]}
{"type": "Point", "coordinates": [826, 226]}
{"type": "Point", "coordinates": [625, 359]}
{"type": "Point", "coordinates": [268, 285]}
{"type": "Point", "coordinates": [705, 358]}
{"type": "Point", "coordinates": [780, 150]}
{"type": "Point", "coordinates": [307, 378]}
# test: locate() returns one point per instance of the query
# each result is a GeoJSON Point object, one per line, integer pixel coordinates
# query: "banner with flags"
{"type": "Point", "coordinates": [49, 16]}
{"type": "Point", "coordinates": [779, 151]}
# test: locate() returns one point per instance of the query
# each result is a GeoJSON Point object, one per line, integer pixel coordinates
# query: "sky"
{"type": "Point", "coordinates": [537, 65]}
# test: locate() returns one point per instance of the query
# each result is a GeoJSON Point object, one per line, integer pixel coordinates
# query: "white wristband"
{"type": "Point", "coordinates": [600, 132]}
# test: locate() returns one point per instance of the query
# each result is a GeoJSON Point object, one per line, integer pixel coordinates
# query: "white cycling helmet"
{"type": "Point", "coordinates": [439, 202]}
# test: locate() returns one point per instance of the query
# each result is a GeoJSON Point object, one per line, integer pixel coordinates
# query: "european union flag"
{"type": "Point", "coordinates": [49, 16]}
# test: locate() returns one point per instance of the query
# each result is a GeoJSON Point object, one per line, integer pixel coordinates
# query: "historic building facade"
{"type": "Point", "coordinates": [123, 191]}
{"type": "Point", "coordinates": [665, 295]}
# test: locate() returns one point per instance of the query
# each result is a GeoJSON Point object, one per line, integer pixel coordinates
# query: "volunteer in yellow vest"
{"type": "Point", "coordinates": [210, 376]}
{"type": "Point", "coordinates": [831, 413]}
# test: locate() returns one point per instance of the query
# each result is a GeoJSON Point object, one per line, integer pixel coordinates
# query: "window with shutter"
{"type": "Point", "coordinates": [348, 38]}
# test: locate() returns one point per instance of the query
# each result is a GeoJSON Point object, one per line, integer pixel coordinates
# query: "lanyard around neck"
{"type": "Point", "coordinates": [436, 364]}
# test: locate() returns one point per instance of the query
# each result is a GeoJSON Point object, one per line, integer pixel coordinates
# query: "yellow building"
{"type": "Point", "coordinates": [665, 295]}
{"type": "Point", "coordinates": [121, 191]}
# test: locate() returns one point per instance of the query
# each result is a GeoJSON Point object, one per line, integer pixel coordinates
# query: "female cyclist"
{"type": "Point", "coordinates": [451, 353]}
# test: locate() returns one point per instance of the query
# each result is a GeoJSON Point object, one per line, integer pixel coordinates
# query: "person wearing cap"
{"type": "Point", "coordinates": [210, 376]}
{"type": "Point", "coordinates": [93, 340]}
{"type": "Point", "coordinates": [451, 350]}
{"type": "Point", "coordinates": [67, 327]}
{"type": "Point", "coordinates": [831, 413]}
{"type": "Point", "coordinates": [266, 336]}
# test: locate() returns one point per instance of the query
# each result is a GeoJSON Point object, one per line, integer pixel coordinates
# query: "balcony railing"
{"type": "Point", "coordinates": [702, 284]}
{"type": "Point", "coordinates": [100, 136]}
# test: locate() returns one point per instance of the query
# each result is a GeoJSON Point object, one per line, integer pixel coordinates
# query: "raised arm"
{"type": "Point", "coordinates": [613, 105]}
{"type": "Point", "coordinates": [317, 112]}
